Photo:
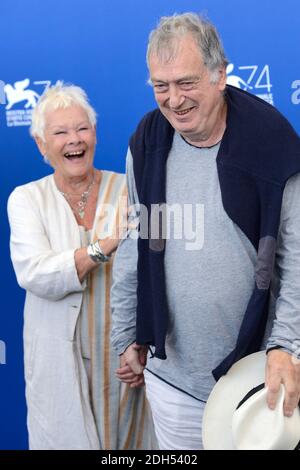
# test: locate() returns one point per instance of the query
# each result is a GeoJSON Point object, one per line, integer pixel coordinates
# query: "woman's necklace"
{"type": "Point", "coordinates": [79, 207]}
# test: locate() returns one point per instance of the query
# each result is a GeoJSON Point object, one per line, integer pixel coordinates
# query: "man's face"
{"type": "Point", "coordinates": [184, 92]}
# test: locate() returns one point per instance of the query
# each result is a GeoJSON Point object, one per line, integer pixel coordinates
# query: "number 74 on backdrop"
{"type": "Point", "coordinates": [252, 78]}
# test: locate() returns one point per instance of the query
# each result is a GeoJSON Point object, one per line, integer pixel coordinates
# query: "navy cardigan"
{"type": "Point", "coordinates": [258, 153]}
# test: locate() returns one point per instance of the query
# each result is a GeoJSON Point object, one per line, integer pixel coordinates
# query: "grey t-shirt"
{"type": "Point", "coordinates": [205, 306]}
{"type": "Point", "coordinates": [208, 280]}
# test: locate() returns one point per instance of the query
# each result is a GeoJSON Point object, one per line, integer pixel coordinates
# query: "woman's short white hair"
{"type": "Point", "coordinates": [60, 95]}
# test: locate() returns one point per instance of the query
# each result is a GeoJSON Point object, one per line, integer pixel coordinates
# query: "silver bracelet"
{"type": "Point", "coordinates": [96, 254]}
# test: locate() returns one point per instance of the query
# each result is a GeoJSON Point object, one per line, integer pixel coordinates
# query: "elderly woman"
{"type": "Point", "coordinates": [64, 230]}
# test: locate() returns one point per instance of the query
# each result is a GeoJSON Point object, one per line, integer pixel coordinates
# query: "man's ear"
{"type": "Point", "coordinates": [222, 79]}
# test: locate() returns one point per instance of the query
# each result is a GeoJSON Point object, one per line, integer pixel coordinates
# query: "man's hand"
{"type": "Point", "coordinates": [132, 364]}
{"type": "Point", "coordinates": [280, 368]}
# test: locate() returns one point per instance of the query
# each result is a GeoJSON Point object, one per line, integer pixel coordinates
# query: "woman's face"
{"type": "Point", "coordinates": [70, 141]}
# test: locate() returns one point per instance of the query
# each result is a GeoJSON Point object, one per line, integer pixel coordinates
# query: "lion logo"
{"type": "Point", "coordinates": [18, 93]}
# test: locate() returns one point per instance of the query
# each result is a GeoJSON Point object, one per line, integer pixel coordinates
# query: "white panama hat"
{"type": "Point", "coordinates": [253, 426]}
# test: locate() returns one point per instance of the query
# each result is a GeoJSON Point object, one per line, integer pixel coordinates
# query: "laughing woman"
{"type": "Point", "coordinates": [64, 231]}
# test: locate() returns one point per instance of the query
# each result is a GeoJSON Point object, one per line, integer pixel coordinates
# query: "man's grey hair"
{"type": "Point", "coordinates": [60, 95]}
{"type": "Point", "coordinates": [164, 39]}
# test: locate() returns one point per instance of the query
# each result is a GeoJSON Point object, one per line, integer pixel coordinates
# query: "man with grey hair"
{"type": "Point", "coordinates": [203, 309]}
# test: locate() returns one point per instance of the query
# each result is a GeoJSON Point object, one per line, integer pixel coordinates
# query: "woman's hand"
{"type": "Point", "coordinates": [84, 264]}
{"type": "Point", "coordinates": [109, 244]}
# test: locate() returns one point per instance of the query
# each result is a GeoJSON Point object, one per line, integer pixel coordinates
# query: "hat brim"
{"type": "Point", "coordinates": [225, 397]}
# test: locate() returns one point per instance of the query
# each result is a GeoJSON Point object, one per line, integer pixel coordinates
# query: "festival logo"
{"type": "Point", "coordinates": [2, 353]}
{"type": "Point", "coordinates": [251, 78]}
{"type": "Point", "coordinates": [296, 94]}
{"type": "Point", "coordinates": [21, 99]}
{"type": "Point", "coordinates": [2, 94]}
